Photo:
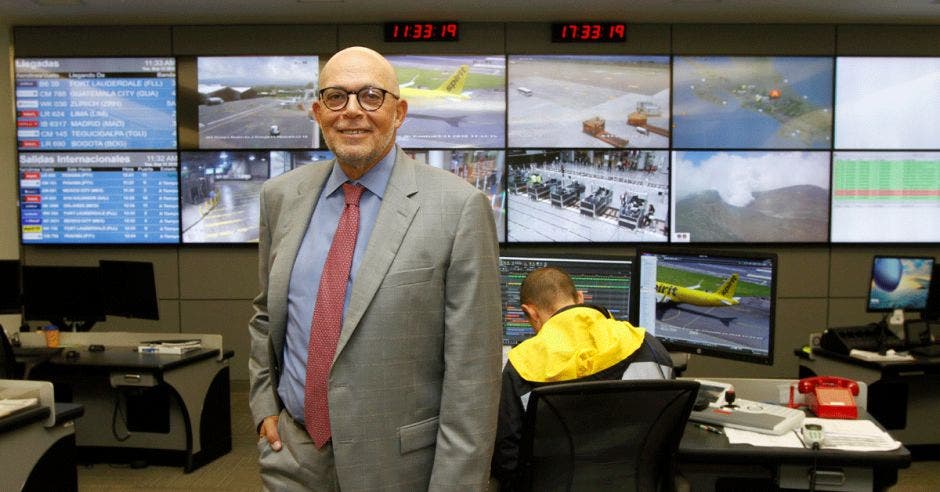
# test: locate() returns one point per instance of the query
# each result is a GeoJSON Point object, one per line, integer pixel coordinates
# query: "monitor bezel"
{"type": "Point", "coordinates": [674, 346]}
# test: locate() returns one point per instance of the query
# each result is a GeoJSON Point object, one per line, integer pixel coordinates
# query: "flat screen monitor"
{"type": "Point", "coordinates": [99, 197]}
{"type": "Point", "coordinates": [220, 190]}
{"type": "Point", "coordinates": [10, 300]}
{"type": "Point", "coordinates": [454, 101]}
{"type": "Point", "coordinates": [885, 197]}
{"type": "Point", "coordinates": [95, 103]}
{"type": "Point", "coordinates": [740, 102]}
{"type": "Point", "coordinates": [709, 303]}
{"type": "Point", "coordinates": [129, 289]}
{"type": "Point", "coordinates": [587, 196]}
{"type": "Point", "coordinates": [750, 196]}
{"type": "Point", "coordinates": [484, 169]}
{"type": "Point", "coordinates": [257, 102]}
{"type": "Point", "coordinates": [887, 103]}
{"type": "Point", "coordinates": [68, 296]}
{"type": "Point", "coordinates": [605, 282]}
{"type": "Point", "coordinates": [588, 101]}
{"type": "Point", "coordinates": [899, 282]}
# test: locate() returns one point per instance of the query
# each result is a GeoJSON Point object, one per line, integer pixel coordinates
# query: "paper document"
{"type": "Point", "coordinates": [787, 440]}
{"type": "Point", "coordinates": [9, 406]}
{"type": "Point", "coordinates": [854, 435]}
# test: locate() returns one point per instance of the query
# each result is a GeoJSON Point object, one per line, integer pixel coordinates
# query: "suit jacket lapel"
{"type": "Point", "coordinates": [294, 215]}
{"type": "Point", "coordinates": [395, 215]}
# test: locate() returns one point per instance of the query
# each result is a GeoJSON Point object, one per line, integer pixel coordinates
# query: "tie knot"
{"type": "Point", "coordinates": [353, 192]}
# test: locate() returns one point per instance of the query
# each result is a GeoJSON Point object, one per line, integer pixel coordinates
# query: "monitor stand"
{"type": "Point", "coordinates": [897, 325]}
{"type": "Point", "coordinates": [73, 325]}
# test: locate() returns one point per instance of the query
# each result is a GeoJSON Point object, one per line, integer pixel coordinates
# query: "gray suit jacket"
{"type": "Point", "coordinates": [414, 386]}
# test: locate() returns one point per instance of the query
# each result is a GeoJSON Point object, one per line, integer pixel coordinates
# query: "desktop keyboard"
{"type": "Point", "coordinates": [927, 351]}
{"type": "Point", "coordinates": [765, 418]}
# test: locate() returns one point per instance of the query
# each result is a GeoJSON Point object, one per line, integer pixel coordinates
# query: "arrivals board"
{"type": "Point", "coordinates": [95, 103]}
{"type": "Point", "coordinates": [99, 198]}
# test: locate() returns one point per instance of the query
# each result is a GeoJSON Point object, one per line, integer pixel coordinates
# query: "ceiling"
{"type": "Point", "coordinates": [153, 12]}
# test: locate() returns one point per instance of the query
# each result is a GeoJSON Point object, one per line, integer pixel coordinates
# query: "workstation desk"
{"type": "Point", "coordinates": [708, 462]}
{"type": "Point", "coordinates": [37, 445]}
{"type": "Point", "coordinates": [143, 407]}
{"type": "Point", "coordinates": [903, 396]}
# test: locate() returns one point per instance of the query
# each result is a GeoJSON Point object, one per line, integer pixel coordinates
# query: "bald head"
{"type": "Point", "coordinates": [362, 59]}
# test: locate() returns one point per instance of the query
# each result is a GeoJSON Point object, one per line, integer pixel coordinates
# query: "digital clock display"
{"type": "Point", "coordinates": [421, 31]}
{"type": "Point", "coordinates": [589, 32]}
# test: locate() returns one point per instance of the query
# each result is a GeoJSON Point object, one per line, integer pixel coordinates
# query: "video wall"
{"type": "Point", "coordinates": [568, 148]}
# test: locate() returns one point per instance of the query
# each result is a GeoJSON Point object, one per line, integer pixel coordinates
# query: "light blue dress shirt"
{"type": "Point", "coordinates": [308, 267]}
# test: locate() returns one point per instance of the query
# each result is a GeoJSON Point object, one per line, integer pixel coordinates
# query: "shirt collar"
{"type": "Point", "coordinates": [375, 180]}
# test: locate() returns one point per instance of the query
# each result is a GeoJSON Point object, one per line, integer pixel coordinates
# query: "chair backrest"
{"type": "Point", "coordinates": [604, 435]}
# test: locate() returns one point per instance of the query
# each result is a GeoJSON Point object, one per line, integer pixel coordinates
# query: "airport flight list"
{"type": "Point", "coordinates": [94, 198]}
{"type": "Point", "coordinates": [95, 104]}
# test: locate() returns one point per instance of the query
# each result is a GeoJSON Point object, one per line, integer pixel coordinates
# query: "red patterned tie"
{"type": "Point", "coordinates": [328, 317]}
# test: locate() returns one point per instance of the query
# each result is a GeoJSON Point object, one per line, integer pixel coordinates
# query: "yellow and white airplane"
{"type": "Point", "coordinates": [452, 88]}
{"type": "Point", "coordinates": [723, 296]}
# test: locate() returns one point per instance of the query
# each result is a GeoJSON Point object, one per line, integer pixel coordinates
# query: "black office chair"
{"type": "Point", "coordinates": [604, 435]}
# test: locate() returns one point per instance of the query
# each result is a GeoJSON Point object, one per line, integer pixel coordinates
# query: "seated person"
{"type": "Point", "coordinates": [573, 342]}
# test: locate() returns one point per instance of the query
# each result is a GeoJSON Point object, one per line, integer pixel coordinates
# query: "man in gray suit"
{"type": "Point", "coordinates": [413, 388]}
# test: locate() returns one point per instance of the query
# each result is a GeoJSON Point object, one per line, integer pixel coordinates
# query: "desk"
{"type": "Point", "coordinates": [168, 409]}
{"type": "Point", "coordinates": [706, 459]}
{"type": "Point", "coordinates": [903, 396]}
{"type": "Point", "coordinates": [37, 447]}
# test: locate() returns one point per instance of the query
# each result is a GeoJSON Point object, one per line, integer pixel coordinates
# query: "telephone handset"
{"type": "Point", "coordinates": [830, 397]}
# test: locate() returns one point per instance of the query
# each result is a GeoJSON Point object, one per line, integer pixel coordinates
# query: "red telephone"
{"type": "Point", "coordinates": [830, 397]}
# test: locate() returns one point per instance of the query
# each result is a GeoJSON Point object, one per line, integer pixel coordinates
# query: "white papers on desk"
{"type": "Point", "coordinates": [786, 440]}
{"type": "Point", "coordinates": [846, 435]}
{"type": "Point", "coordinates": [9, 406]}
{"type": "Point", "coordinates": [854, 435]}
{"type": "Point", "coordinates": [876, 357]}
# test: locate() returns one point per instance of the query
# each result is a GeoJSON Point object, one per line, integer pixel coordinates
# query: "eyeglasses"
{"type": "Point", "coordinates": [369, 98]}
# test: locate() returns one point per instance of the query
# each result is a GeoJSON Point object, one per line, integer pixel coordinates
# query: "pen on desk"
{"type": "Point", "coordinates": [709, 428]}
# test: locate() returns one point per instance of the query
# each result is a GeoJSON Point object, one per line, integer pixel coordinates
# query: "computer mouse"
{"type": "Point", "coordinates": [96, 348]}
{"type": "Point", "coordinates": [890, 352]}
{"type": "Point", "coordinates": [72, 354]}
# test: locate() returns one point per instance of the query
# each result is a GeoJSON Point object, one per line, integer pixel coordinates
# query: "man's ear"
{"type": "Point", "coordinates": [580, 297]}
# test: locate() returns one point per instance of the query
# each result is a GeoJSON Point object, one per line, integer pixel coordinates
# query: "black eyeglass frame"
{"type": "Point", "coordinates": [358, 101]}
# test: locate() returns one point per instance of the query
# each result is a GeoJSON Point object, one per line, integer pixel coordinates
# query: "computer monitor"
{"type": "Point", "coordinates": [720, 304]}
{"type": "Point", "coordinates": [129, 289]}
{"type": "Point", "coordinates": [10, 301]}
{"type": "Point", "coordinates": [68, 296]}
{"type": "Point", "coordinates": [899, 282]}
{"type": "Point", "coordinates": [604, 281]}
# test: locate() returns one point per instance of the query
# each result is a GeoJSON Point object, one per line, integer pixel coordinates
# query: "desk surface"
{"type": "Point", "coordinates": [700, 446]}
{"type": "Point", "coordinates": [127, 358]}
{"type": "Point", "coordinates": [926, 364]}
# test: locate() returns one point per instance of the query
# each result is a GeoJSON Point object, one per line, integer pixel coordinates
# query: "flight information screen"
{"type": "Point", "coordinates": [95, 103]}
{"type": "Point", "coordinates": [99, 198]}
{"type": "Point", "coordinates": [604, 282]}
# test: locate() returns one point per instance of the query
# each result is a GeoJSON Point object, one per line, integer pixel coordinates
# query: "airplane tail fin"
{"type": "Point", "coordinates": [727, 289]}
{"type": "Point", "coordinates": [454, 84]}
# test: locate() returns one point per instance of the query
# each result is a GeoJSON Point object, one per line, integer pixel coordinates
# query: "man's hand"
{"type": "Point", "coordinates": [268, 431]}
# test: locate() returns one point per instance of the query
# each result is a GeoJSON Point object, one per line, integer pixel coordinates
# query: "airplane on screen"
{"type": "Point", "coordinates": [452, 88]}
{"type": "Point", "coordinates": [723, 296]}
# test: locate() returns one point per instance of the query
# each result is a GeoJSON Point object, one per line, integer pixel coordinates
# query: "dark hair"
{"type": "Point", "coordinates": [547, 287]}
